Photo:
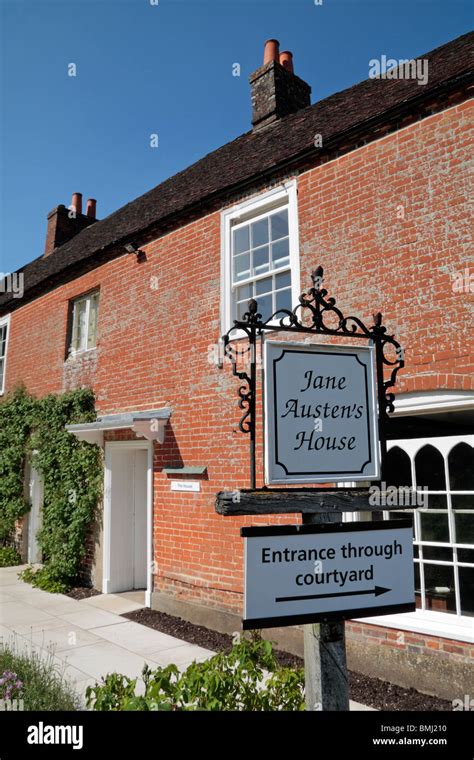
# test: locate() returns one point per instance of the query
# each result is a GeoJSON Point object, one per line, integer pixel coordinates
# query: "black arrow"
{"type": "Point", "coordinates": [377, 591]}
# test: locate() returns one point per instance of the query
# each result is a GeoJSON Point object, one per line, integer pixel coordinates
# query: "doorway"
{"type": "Point", "coordinates": [127, 516]}
{"type": "Point", "coordinates": [34, 483]}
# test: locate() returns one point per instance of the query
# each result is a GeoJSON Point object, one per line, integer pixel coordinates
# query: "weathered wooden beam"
{"type": "Point", "coordinates": [305, 500]}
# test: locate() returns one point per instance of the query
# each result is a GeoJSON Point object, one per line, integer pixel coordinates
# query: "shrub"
{"type": "Point", "coordinates": [43, 686]}
{"type": "Point", "coordinates": [43, 578]}
{"type": "Point", "coordinates": [9, 556]}
{"type": "Point", "coordinates": [246, 678]}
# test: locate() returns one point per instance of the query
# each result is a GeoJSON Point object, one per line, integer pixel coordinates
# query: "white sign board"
{"type": "Point", "coordinates": [193, 486]}
{"type": "Point", "coordinates": [308, 573]}
{"type": "Point", "coordinates": [320, 413]}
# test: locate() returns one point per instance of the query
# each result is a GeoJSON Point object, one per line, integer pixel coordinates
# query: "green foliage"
{"type": "Point", "coordinates": [43, 578]}
{"type": "Point", "coordinates": [9, 556]}
{"type": "Point", "coordinates": [246, 678]}
{"type": "Point", "coordinates": [43, 686]}
{"type": "Point", "coordinates": [16, 420]}
{"type": "Point", "coordinates": [72, 474]}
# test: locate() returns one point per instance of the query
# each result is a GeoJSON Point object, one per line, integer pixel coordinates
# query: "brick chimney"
{"type": "Point", "coordinates": [276, 90]}
{"type": "Point", "coordinates": [64, 223]}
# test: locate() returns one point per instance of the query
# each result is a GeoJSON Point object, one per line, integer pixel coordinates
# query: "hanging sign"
{"type": "Point", "coordinates": [320, 413]}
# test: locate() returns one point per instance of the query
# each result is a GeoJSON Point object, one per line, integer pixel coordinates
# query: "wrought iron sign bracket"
{"type": "Point", "coordinates": [309, 317]}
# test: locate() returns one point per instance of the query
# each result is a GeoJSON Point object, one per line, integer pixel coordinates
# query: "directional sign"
{"type": "Point", "coordinates": [320, 413]}
{"type": "Point", "coordinates": [309, 573]}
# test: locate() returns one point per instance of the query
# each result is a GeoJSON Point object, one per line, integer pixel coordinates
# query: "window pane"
{"type": "Point", "coordinates": [437, 501]}
{"type": "Point", "coordinates": [259, 232]}
{"type": "Point", "coordinates": [280, 253]}
{"type": "Point", "coordinates": [464, 528]}
{"type": "Point", "coordinates": [398, 468]}
{"type": "Point", "coordinates": [82, 324]}
{"type": "Point", "coordinates": [417, 584]}
{"type": "Point", "coordinates": [244, 293]}
{"type": "Point", "coordinates": [282, 280]}
{"type": "Point", "coordinates": [265, 306]}
{"type": "Point", "coordinates": [241, 240]}
{"type": "Point", "coordinates": [463, 502]}
{"type": "Point", "coordinates": [263, 286]}
{"type": "Point", "coordinates": [466, 555]}
{"type": "Point", "coordinates": [92, 327]}
{"type": "Point", "coordinates": [439, 584]}
{"type": "Point", "coordinates": [261, 263]}
{"type": "Point", "coordinates": [466, 589]}
{"type": "Point", "coordinates": [461, 467]}
{"type": "Point", "coordinates": [283, 299]}
{"type": "Point", "coordinates": [1, 372]}
{"type": "Point", "coordinates": [242, 267]}
{"type": "Point", "coordinates": [241, 309]}
{"type": "Point", "coordinates": [3, 340]}
{"type": "Point", "coordinates": [434, 527]}
{"type": "Point", "coordinates": [429, 468]}
{"type": "Point", "coordinates": [279, 224]}
{"type": "Point", "coordinates": [438, 552]}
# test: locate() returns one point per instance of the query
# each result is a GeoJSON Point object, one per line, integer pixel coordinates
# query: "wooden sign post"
{"type": "Point", "coordinates": [321, 426]}
{"type": "Point", "coordinates": [325, 666]}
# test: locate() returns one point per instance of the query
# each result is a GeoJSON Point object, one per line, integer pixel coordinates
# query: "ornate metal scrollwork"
{"type": "Point", "coordinates": [309, 316]}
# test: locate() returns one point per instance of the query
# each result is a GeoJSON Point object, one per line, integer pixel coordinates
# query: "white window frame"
{"type": "Point", "coordinates": [5, 321]}
{"type": "Point", "coordinates": [429, 622]}
{"type": "Point", "coordinates": [87, 298]}
{"type": "Point", "coordinates": [284, 196]}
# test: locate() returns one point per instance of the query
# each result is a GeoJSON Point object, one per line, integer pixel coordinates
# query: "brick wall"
{"type": "Point", "coordinates": [153, 347]}
{"type": "Point", "coordinates": [417, 643]}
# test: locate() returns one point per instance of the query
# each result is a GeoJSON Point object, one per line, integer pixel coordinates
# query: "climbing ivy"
{"type": "Point", "coordinates": [72, 475]}
{"type": "Point", "coordinates": [16, 420]}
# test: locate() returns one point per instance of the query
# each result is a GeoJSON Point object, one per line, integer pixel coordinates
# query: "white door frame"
{"type": "Point", "coordinates": [123, 446]}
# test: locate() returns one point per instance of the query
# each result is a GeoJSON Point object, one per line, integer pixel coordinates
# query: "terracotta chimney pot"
{"type": "Point", "coordinates": [286, 60]}
{"type": "Point", "coordinates": [91, 207]}
{"type": "Point", "coordinates": [76, 203]}
{"type": "Point", "coordinates": [271, 51]}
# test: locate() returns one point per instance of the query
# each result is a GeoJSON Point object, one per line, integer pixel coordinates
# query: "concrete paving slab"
{"type": "Point", "coordinates": [358, 706]}
{"type": "Point", "coordinates": [63, 638]}
{"type": "Point", "coordinates": [21, 590]}
{"type": "Point", "coordinates": [19, 613]}
{"type": "Point", "coordinates": [55, 604]}
{"type": "Point", "coordinates": [138, 638]}
{"type": "Point", "coordinates": [96, 660]}
{"type": "Point", "coordinates": [43, 625]}
{"type": "Point", "coordinates": [88, 617]}
{"type": "Point", "coordinates": [111, 603]}
{"type": "Point", "coordinates": [4, 597]}
{"type": "Point", "coordinates": [133, 596]}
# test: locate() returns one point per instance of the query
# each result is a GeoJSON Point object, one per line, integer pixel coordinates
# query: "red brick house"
{"type": "Point", "coordinates": [371, 183]}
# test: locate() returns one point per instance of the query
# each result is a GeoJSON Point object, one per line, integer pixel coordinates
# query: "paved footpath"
{"type": "Point", "coordinates": [87, 639]}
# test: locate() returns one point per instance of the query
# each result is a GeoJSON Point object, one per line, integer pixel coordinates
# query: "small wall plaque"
{"type": "Point", "coordinates": [193, 486]}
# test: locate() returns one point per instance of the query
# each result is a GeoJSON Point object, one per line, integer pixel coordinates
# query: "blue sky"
{"type": "Point", "coordinates": [164, 69]}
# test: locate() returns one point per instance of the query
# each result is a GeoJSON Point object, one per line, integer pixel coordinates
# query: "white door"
{"type": "Point", "coordinates": [35, 489]}
{"type": "Point", "coordinates": [128, 518]}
